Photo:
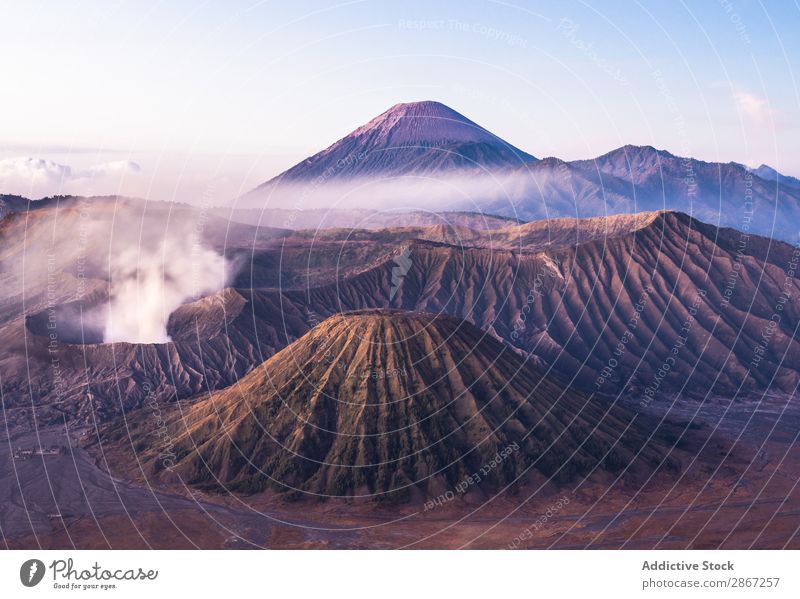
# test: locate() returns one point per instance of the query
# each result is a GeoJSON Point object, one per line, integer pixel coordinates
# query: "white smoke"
{"type": "Point", "coordinates": [151, 280]}
{"type": "Point", "coordinates": [115, 269]}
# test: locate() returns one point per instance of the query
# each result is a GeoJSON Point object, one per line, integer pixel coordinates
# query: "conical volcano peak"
{"type": "Point", "coordinates": [425, 122]}
{"type": "Point", "coordinates": [411, 138]}
{"type": "Point", "coordinates": [402, 403]}
{"type": "Point", "coordinates": [425, 108]}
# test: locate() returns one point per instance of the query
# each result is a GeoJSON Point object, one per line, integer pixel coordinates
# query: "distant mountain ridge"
{"type": "Point", "coordinates": [449, 162]}
{"type": "Point", "coordinates": [770, 174]}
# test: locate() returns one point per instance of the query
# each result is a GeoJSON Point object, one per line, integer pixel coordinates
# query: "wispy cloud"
{"type": "Point", "coordinates": [37, 177]}
{"type": "Point", "coordinates": [753, 108]}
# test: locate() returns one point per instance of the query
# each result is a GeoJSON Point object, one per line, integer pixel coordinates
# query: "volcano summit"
{"type": "Point", "coordinates": [408, 139]}
{"type": "Point", "coordinates": [393, 404]}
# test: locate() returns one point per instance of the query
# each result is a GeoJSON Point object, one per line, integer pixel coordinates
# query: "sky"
{"type": "Point", "coordinates": [199, 102]}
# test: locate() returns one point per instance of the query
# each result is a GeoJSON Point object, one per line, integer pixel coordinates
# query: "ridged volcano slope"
{"type": "Point", "coordinates": [413, 138]}
{"type": "Point", "coordinates": [567, 297]}
{"type": "Point", "coordinates": [608, 313]}
{"type": "Point", "coordinates": [370, 403]}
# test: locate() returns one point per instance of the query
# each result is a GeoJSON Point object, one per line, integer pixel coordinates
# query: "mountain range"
{"type": "Point", "coordinates": [426, 156]}
{"type": "Point", "coordinates": [564, 292]}
{"type": "Point", "coordinates": [396, 358]}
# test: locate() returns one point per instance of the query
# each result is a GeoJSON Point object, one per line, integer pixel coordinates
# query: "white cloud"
{"type": "Point", "coordinates": [37, 177]}
{"type": "Point", "coordinates": [753, 108]}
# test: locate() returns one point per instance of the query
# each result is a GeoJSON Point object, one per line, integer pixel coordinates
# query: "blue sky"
{"type": "Point", "coordinates": [214, 98]}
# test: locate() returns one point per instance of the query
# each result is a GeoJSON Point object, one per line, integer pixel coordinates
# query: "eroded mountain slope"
{"type": "Point", "coordinates": [375, 403]}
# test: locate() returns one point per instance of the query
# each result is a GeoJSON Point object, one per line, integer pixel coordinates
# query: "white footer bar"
{"type": "Point", "coordinates": [402, 574]}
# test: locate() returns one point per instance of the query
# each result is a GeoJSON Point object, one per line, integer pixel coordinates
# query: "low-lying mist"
{"type": "Point", "coordinates": [524, 193]}
{"type": "Point", "coordinates": [435, 193]}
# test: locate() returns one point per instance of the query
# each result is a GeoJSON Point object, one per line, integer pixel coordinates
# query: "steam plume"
{"type": "Point", "coordinates": [150, 281]}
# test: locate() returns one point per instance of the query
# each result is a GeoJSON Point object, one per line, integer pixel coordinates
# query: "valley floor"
{"type": "Point", "coordinates": [742, 494]}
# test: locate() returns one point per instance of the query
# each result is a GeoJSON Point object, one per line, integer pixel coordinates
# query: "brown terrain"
{"type": "Point", "coordinates": [739, 491]}
{"type": "Point", "coordinates": [642, 368]}
{"type": "Point", "coordinates": [577, 296]}
{"type": "Point", "coordinates": [391, 405]}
